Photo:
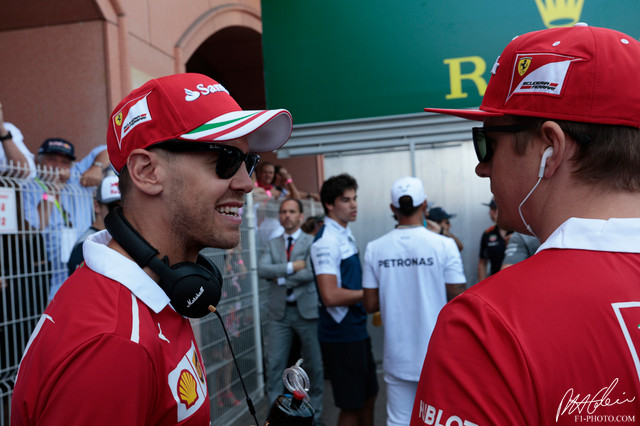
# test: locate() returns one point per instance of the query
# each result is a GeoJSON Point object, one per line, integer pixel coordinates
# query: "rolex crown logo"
{"type": "Point", "coordinates": [560, 13]}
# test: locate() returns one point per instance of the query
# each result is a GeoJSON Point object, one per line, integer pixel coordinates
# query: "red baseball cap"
{"type": "Point", "coordinates": [189, 107]}
{"type": "Point", "coordinates": [580, 73]}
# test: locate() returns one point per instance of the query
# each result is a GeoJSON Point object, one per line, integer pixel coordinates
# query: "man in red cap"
{"type": "Point", "coordinates": [115, 346]}
{"type": "Point", "coordinates": [553, 339]}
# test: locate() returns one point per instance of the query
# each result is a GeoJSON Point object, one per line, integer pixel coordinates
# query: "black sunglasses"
{"type": "Point", "coordinates": [484, 152]}
{"type": "Point", "coordinates": [229, 160]}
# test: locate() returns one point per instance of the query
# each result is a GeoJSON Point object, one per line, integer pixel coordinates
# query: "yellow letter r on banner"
{"type": "Point", "coordinates": [456, 76]}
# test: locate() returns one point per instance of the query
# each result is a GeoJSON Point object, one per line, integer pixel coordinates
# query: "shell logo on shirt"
{"type": "Point", "coordinates": [188, 392]}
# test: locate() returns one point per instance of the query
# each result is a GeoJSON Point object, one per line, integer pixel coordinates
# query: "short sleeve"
{"type": "Point", "coordinates": [18, 140]}
{"type": "Point", "coordinates": [483, 246]}
{"type": "Point", "coordinates": [369, 275]}
{"type": "Point", "coordinates": [474, 370]}
{"type": "Point", "coordinates": [325, 257]}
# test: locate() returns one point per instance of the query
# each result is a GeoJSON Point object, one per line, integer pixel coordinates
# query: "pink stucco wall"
{"type": "Point", "coordinates": [63, 80]}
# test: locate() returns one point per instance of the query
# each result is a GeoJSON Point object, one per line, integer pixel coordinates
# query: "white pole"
{"type": "Point", "coordinates": [250, 216]}
{"type": "Point", "coordinates": [412, 153]}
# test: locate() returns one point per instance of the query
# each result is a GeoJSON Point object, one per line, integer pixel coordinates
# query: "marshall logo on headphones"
{"type": "Point", "coordinates": [543, 73]}
{"type": "Point", "coordinates": [195, 298]}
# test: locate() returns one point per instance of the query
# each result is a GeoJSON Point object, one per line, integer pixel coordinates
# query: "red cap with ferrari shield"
{"type": "Point", "coordinates": [190, 107]}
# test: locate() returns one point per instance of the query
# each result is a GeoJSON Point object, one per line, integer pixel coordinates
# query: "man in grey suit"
{"type": "Point", "coordinates": [293, 304]}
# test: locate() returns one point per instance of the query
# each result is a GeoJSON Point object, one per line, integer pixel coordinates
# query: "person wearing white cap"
{"type": "Point", "coordinates": [106, 199]}
{"type": "Point", "coordinates": [409, 274]}
{"type": "Point", "coordinates": [115, 345]}
{"type": "Point", "coordinates": [555, 338]}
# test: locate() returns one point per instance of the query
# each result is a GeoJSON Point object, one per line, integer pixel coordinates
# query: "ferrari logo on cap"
{"type": "Point", "coordinates": [118, 119]}
{"type": "Point", "coordinates": [540, 73]}
{"type": "Point", "coordinates": [523, 65]}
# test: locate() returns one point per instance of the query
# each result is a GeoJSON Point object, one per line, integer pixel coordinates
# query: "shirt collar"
{"type": "Point", "coordinates": [295, 235]}
{"type": "Point", "coordinates": [345, 231]}
{"type": "Point", "coordinates": [614, 235]}
{"type": "Point", "coordinates": [334, 224]}
{"type": "Point", "coordinates": [114, 265]}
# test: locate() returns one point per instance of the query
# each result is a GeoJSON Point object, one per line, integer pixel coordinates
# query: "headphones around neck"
{"type": "Point", "coordinates": [191, 287]}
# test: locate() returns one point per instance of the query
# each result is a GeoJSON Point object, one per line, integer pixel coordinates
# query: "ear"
{"type": "Point", "coordinates": [329, 207]}
{"type": "Point", "coordinates": [144, 168]}
{"type": "Point", "coordinates": [552, 137]}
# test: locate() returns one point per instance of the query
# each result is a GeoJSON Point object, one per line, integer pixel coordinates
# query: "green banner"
{"type": "Point", "coordinates": [342, 59]}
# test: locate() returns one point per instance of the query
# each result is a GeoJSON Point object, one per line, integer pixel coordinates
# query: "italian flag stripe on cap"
{"type": "Point", "coordinates": [228, 126]}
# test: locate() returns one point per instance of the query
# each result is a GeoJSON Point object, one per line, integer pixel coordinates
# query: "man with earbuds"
{"type": "Point", "coordinates": [554, 338]}
{"type": "Point", "coordinates": [115, 346]}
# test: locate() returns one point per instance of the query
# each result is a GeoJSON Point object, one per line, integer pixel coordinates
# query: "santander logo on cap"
{"type": "Point", "coordinates": [201, 89]}
{"type": "Point", "coordinates": [540, 73]}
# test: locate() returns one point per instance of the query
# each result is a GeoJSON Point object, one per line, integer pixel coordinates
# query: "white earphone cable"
{"type": "Point", "coordinates": [520, 208]}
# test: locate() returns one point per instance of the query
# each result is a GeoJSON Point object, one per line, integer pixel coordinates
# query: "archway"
{"type": "Point", "coordinates": [233, 57]}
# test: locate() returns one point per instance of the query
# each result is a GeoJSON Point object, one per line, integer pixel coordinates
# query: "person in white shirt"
{"type": "Point", "coordinates": [14, 151]}
{"type": "Point", "coordinates": [409, 275]}
{"type": "Point", "coordinates": [342, 325]}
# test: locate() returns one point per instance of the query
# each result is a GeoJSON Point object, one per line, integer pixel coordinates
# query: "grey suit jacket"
{"type": "Point", "coordinates": [273, 264]}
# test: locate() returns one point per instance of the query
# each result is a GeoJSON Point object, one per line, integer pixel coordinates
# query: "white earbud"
{"type": "Point", "coordinates": [543, 162]}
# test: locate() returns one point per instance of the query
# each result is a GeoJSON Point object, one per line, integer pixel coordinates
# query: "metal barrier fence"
{"type": "Point", "coordinates": [244, 311]}
{"type": "Point", "coordinates": [31, 260]}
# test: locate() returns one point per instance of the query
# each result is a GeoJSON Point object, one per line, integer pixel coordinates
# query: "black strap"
{"type": "Point", "coordinates": [119, 227]}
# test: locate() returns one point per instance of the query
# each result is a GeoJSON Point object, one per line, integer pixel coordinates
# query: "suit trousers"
{"type": "Point", "coordinates": [278, 346]}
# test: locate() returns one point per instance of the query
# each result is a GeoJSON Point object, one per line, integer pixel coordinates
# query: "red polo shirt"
{"type": "Point", "coordinates": [101, 355]}
{"type": "Point", "coordinates": [551, 340]}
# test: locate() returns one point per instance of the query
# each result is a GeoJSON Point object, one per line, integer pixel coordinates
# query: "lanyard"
{"type": "Point", "coordinates": [45, 197]}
